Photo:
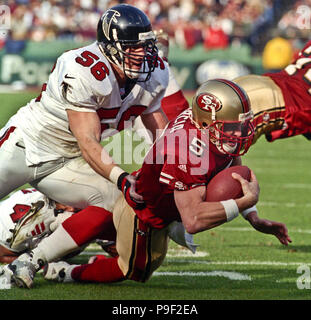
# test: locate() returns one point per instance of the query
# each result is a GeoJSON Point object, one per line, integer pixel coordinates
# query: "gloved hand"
{"type": "Point", "coordinates": [126, 184]}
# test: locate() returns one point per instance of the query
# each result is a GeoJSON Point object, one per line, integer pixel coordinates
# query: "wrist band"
{"type": "Point", "coordinates": [115, 174]}
{"type": "Point", "coordinates": [231, 209]}
{"type": "Point", "coordinates": [245, 212]}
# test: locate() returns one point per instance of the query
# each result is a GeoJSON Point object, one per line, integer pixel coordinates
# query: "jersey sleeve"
{"type": "Point", "coordinates": [79, 90]}
{"type": "Point", "coordinates": [79, 97]}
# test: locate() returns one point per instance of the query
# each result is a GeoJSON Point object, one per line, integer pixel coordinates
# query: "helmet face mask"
{"type": "Point", "coordinates": [223, 108]}
{"type": "Point", "coordinates": [233, 138]}
{"type": "Point", "coordinates": [125, 35]}
{"type": "Point", "coordinates": [139, 59]}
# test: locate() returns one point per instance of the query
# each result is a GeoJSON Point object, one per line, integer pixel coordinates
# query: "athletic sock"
{"type": "Point", "coordinates": [57, 245]}
{"type": "Point", "coordinates": [101, 270]}
{"type": "Point", "coordinates": [90, 224]}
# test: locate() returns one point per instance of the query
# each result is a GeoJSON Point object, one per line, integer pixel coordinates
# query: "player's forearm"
{"type": "Point", "coordinates": [97, 157]}
{"type": "Point", "coordinates": [155, 122]}
{"type": "Point", "coordinates": [206, 215]}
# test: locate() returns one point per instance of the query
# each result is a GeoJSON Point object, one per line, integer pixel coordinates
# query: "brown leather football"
{"type": "Point", "coordinates": [224, 187]}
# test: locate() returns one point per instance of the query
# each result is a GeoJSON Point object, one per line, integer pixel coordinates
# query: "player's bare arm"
{"type": "Point", "coordinates": [198, 215]}
{"type": "Point", "coordinates": [275, 228]}
{"type": "Point", "coordinates": [86, 128]}
{"type": "Point", "coordinates": [153, 121]}
{"type": "Point", "coordinates": [6, 255]}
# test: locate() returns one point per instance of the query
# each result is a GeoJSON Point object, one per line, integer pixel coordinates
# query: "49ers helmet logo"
{"type": "Point", "coordinates": [207, 102]}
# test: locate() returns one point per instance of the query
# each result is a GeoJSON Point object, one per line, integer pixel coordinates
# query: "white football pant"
{"type": "Point", "coordinates": [67, 181]}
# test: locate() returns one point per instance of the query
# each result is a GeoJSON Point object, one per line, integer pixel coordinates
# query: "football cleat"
{"type": "Point", "coordinates": [5, 278]}
{"type": "Point", "coordinates": [23, 270]}
{"type": "Point", "coordinates": [58, 271]}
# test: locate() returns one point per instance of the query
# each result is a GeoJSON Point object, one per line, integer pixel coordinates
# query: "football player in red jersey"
{"type": "Point", "coordinates": [281, 101]}
{"type": "Point", "coordinates": [172, 180]}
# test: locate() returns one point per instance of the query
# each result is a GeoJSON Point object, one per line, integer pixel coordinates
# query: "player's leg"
{"type": "Point", "coordinates": [267, 103]}
{"type": "Point", "coordinates": [103, 269]}
{"type": "Point", "coordinates": [13, 168]}
{"type": "Point", "coordinates": [141, 251]}
{"type": "Point", "coordinates": [79, 229]}
{"type": "Point", "coordinates": [84, 226]}
{"type": "Point", "coordinates": [76, 184]}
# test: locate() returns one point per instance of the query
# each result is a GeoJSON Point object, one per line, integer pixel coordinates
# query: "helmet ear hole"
{"type": "Point", "coordinates": [204, 124]}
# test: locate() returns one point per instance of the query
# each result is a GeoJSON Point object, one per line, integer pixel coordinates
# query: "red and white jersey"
{"type": "Point", "coordinates": [82, 80]}
{"type": "Point", "coordinates": [174, 101]}
{"type": "Point", "coordinates": [295, 84]}
{"type": "Point", "coordinates": [17, 205]}
{"type": "Point", "coordinates": [181, 159]}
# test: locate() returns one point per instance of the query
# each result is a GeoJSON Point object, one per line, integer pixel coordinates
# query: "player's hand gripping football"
{"type": "Point", "coordinates": [277, 229]}
{"type": "Point", "coordinates": [126, 183]}
{"type": "Point", "coordinates": [250, 190]}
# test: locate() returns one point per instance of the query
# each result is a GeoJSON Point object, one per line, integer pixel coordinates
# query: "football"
{"type": "Point", "coordinates": [223, 187]}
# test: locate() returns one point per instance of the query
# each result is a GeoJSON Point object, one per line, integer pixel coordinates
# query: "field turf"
{"type": "Point", "coordinates": [233, 262]}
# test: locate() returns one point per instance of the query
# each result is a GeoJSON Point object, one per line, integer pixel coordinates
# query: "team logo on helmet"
{"type": "Point", "coordinates": [207, 102]}
{"type": "Point", "coordinates": [109, 16]}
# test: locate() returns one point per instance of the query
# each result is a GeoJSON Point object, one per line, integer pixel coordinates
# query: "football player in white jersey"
{"type": "Point", "coordinates": [26, 217]}
{"type": "Point", "coordinates": [53, 142]}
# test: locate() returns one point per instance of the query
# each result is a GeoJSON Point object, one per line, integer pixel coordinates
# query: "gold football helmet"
{"type": "Point", "coordinates": [223, 108]}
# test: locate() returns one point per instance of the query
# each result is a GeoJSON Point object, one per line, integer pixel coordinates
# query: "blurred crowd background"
{"type": "Point", "coordinates": [213, 24]}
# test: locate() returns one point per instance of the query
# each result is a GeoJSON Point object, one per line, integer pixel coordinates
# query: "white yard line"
{"type": "Point", "coordinates": [283, 204]}
{"type": "Point", "coordinates": [247, 229]}
{"type": "Point", "coordinates": [227, 274]}
{"type": "Point", "coordinates": [250, 263]}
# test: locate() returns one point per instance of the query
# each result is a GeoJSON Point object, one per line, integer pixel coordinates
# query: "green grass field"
{"type": "Point", "coordinates": [233, 262]}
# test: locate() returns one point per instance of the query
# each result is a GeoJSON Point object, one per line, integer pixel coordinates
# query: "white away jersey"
{"type": "Point", "coordinates": [16, 206]}
{"type": "Point", "coordinates": [82, 80]}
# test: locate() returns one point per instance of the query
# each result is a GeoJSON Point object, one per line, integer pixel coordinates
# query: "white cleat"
{"type": "Point", "coordinates": [5, 278]}
{"type": "Point", "coordinates": [23, 270]}
{"type": "Point", "coordinates": [58, 271]}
